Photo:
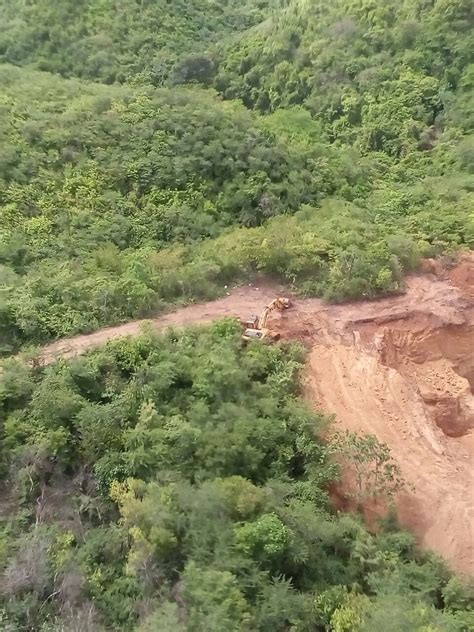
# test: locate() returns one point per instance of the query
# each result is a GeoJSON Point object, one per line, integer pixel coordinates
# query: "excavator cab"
{"type": "Point", "coordinates": [250, 323]}
{"type": "Point", "coordinates": [261, 334]}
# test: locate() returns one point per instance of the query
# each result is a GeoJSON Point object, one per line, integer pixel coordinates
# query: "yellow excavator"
{"type": "Point", "coordinates": [256, 328]}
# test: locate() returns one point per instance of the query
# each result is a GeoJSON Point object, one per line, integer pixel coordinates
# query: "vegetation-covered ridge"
{"type": "Point", "coordinates": [177, 482]}
{"type": "Point", "coordinates": [378, 74]}
{"type": "Point", "coordinates": [113, 199]}
{"type": "Point", "coordinates": [119, 199]}
{"type": "Point", "coordinates": [151, 153]}
{"type": "Point", "coordinates": [146, 41]}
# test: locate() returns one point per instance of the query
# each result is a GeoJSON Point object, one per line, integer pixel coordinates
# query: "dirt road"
{"type": "Point", "coordinates": [243, 301]}
{"type": "Point", "coordinates": [401, 368]}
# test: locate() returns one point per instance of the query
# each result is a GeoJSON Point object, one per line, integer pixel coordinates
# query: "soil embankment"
{"type": "Point", "coordinates": [401, 368]}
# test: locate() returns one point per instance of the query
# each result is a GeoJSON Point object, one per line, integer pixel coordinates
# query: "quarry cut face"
{"type": "Point", "coordinates": [402, 368]}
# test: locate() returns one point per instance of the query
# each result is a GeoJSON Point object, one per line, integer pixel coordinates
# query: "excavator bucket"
{"type": "Point", "coordinates": [284, 303]}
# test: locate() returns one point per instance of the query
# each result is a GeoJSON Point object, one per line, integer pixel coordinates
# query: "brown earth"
{"type": "Point", "coordinates": [242, 301]}
{"type": "Point", "coordinates": [401, 368]}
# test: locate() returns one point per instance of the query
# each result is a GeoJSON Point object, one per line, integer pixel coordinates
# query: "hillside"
{"type": "Point", "coordinates": [154, 154]}
{"type": "Point", "coordinates": [100, 178]}
{"type": "Point", "coordinates": [373, 72]}
{"type": "Point", "coordinates": [110, 41]}
{"type": "Point", "coordinates": [401, 368]}
{"type": "Point", "coordinates": [96, 180]}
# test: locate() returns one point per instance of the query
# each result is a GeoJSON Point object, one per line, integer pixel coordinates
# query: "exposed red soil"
{"type": "Point", "coordinates": [401, 368]}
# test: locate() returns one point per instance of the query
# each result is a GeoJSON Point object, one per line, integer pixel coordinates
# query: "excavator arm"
{"type": "Point", "coordinates": [262, 320]}
{"type": "Point", "coordinates": [259, 329]}
{"type": "Point", "coordinates": [259, 326]}
{"type": "Point", "coordinates": [277, 303]}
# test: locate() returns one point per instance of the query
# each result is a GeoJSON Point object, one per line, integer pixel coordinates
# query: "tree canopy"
{"type": "Point", "coordinates": [153, 152]}
{"type": "Point", "coordinates": [365, 138]}
{"type": "Point", "coordinates": [107, 41]}
{"type": "Point", "coordinates": [177, 482]}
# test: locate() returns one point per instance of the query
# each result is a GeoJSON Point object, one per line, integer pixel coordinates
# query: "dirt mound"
{"type": "Point", "coordinates": [441, 363]}
{"type": "Point", "coordinates": [401, 368]}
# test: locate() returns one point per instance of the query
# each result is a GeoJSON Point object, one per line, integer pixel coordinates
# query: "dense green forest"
{"type": "Point", "coordinates": [366, 142]}
{"type": "Point", "coordinates": [144, 41]}
{"type": "Point", "coordinates": [120, 199]}
{"type": "Point", "coordinates": [151, 153]}
{"type": "Point", "coordinates": [177, 483]}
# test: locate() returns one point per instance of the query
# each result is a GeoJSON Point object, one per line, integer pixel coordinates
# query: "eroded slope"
{"type": "Point", "coordinates": [402, 368]}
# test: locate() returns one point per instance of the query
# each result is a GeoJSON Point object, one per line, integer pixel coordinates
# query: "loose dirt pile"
{"type": "Point", "coordinates": [401, 368]}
